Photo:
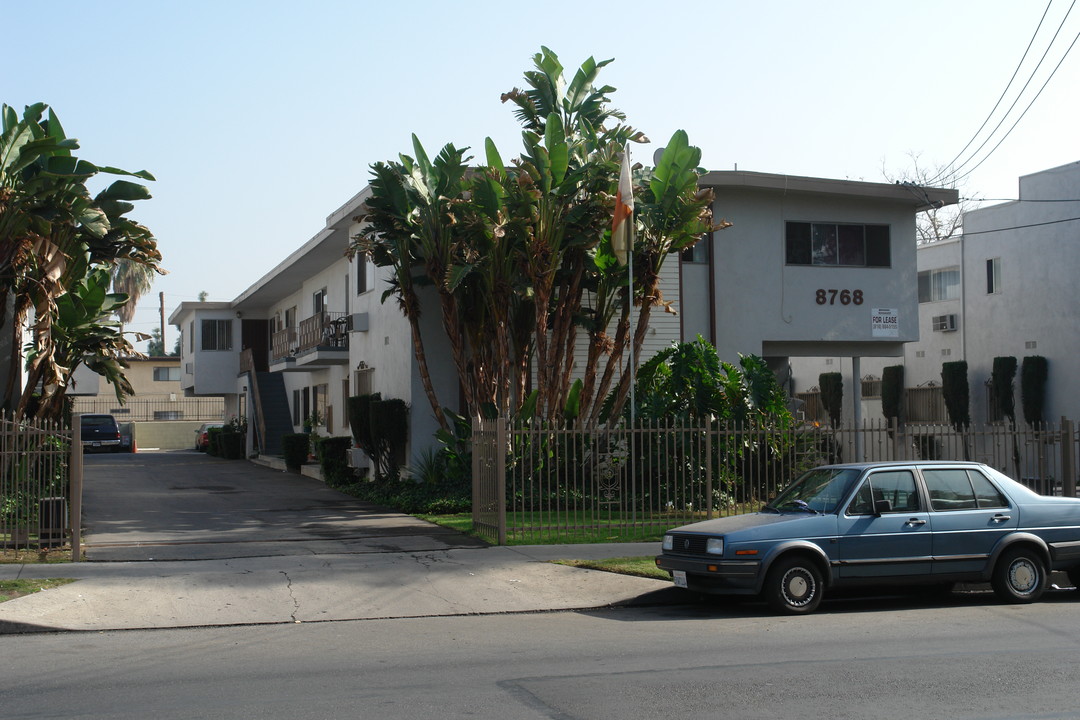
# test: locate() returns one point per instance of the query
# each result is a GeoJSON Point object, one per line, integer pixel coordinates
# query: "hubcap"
{"type": "Point", "coordinates": [798, 587]}
{"type": "Point", "coordinates": [1023, 576]}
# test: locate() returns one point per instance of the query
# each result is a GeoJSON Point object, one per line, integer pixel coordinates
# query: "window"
{"type": "Point", "coordinates": [191, 337]}
{"type": "Point", "coordinates": [938, 285]}
{"type": "Point", "coordinates": [993, 276]}
{"type": "Point", "coordinates": [699, 251]}
{"type": "Point", "coordinates": [167, 374]}
{"type": "Point", "coordinates": [361, 274]}
{"type": "Point", "coordinates": [896, 486]}
{"type": "Point", "coordinates": [217, 334]}
{"type": "Point", "coordinates": [318, 301]}
{"type": "Point", "coordinates": [961, 490]}
{"type": "Point", "coordinates": [838, 245]}
{"type": "Point", "coordinates": [320, 393]}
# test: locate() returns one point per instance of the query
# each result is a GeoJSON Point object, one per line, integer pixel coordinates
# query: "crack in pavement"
{"type": "Point", "coordinates": [296, 602]}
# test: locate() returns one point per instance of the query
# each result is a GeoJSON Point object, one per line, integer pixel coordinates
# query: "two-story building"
{"type": "Point", "coordinates": [810, 267]}
{"type": "Point", "coordinates": [1004, 288]}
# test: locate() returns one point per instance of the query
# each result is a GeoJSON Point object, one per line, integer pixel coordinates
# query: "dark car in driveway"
{"type": "Point", "coordinates": [99, 432]}
{"type": "Point", "coordinates": [908, 523]}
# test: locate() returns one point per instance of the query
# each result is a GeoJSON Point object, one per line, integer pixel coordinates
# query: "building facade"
{"type": "Point", "coordinates": [1005, 288]}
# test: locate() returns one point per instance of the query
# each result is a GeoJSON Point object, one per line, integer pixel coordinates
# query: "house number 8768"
{"type": "Point", "coordinates": [844, 297]}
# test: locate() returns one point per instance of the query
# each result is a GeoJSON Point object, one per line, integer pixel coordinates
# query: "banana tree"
{"type": "Point", "coordinates": [83, 332]}
{"type": "Point", "coordinates": [52, 233]}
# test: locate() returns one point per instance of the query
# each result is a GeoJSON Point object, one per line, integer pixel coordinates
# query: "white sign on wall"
{"type": "Point", "coordinates": [885, 322]}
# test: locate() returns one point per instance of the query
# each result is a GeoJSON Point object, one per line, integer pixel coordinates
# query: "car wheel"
{"type": "Point", "coordinates": [1019, 576]}
{"type": "Point", "coordinates": [794, 586]}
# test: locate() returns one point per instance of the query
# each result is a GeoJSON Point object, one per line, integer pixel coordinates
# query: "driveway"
{"type": "Point", "coordinates": [184, 505]}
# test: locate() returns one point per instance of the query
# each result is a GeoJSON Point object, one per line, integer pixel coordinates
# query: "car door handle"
{"type": "Point", "coordinates": [1000, 518]}
{"type": "Point", "coordinates": [915, 521]}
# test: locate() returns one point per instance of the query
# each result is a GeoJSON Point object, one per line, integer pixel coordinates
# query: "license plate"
{"type": "Point", "coordinates": [97, 444]}
{"type": "Point", "coordinates": [679, 576]}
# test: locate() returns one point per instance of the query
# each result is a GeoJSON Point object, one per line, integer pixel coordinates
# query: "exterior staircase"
{"type": "Point", "coordinates": [273, 409]}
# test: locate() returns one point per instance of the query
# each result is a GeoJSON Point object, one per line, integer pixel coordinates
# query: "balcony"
{"type": "Point", "coordinates": [283, 349]}
{"type": "Point", "coordinates": [322, 341]}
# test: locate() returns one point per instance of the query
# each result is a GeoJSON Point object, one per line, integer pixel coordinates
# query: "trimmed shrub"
{"type": "Point", "coordinates": [1033, 374]}
{"type": "Point", "coordinates": [333, 459]}
{"type": "Point", "coordinates": [1002, 387]}
{"type": "Point", "coordinates": [231, 445]}
{"type": "Point", "coordinates": [295, 447]}
{"type": "Point", "coordinates": [832, 395]}
{"type": "Point", "coordinates": [954, 388]}
{"type": "Point", "coordinates": [892, 393]}
{"type": "Point", "coordinates": [390, 430]}
{"type": "Point", "coordinates": [213, 441]}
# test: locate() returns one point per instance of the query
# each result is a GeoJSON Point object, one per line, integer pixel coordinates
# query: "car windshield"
{"type": "Point", "coordinates": [818, 491]}
{"type": "Point", "coordinates": [97, 421]}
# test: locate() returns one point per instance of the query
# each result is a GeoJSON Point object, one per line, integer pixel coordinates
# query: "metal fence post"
{"type": "Point", "coordinates": [500, 475]}
{"type": "Point", "coordinates": [708, 467]}
{"type": "Point", "coordinates": [1068, 460]}
{"type": "Point", "coordinates": [75, 487]}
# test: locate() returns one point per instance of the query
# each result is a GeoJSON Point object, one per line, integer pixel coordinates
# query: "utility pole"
{"type": "Point", "coordinates": [161, 303]}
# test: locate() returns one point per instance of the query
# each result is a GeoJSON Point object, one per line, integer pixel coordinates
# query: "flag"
{"type": "Point", "coordinates": [622, 225]}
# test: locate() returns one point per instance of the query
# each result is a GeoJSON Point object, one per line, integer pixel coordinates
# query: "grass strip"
{"type": "Point", "coordinates": [643, 566]}
{"type": "Point", "coordinates": [11, 589]}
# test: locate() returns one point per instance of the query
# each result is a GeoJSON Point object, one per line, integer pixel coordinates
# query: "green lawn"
{"type": "Point", "coordinates": [11, 589]}
{"type": "Point", "coordinates": [644, 566]}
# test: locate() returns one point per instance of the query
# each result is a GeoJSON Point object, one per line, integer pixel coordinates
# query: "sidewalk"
{"type": "Point", "coordinates": [318, 588]}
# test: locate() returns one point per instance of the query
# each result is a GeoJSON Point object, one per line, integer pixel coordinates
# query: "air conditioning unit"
{"type": "Point", "coordinates": [944, 323]}
{"type": "Point", "coordinates": [359, 459]}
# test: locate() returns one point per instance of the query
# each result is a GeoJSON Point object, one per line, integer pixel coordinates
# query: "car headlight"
{"type": "Point", "coordinates": [668, 540]}
{"type": "Point", "coordinates": [715, 546]}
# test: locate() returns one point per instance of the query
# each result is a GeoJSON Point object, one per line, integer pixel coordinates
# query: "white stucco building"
{"type": "Point", "coordinates": [1006, 287]}
{"type": "Point", "coordinates": [810, 267]}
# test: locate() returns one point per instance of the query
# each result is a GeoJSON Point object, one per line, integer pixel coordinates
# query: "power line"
{"type": "Point", "coordinates": [1020, 64]}
{"type": "Point", "coordinates": [1021, 227]}
{"type": "Point", "coordinates": [953, 178]}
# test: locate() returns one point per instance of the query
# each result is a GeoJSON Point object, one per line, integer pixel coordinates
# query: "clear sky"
{"type": "Point", "coordinates": [259, 118]}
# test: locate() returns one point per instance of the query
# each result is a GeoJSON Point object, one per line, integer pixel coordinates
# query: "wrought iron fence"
{"type": "Point", "coordinates": [207, 409]}
{"type": "Point", "coordinates": [551, 483]}
{"type": "Point", "coordinates": [40, 485]}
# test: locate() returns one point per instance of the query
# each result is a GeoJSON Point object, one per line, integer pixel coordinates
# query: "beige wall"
{"type": "Point", "coordinates": [166, 434]}
{"type": "Point", "coordinates": [141, 375]}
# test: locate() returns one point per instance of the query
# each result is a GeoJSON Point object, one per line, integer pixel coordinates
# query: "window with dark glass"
{"type": "Point", "coordinates": [167, 374]}
{"type": "Point", "coordinates": [217, 334]}
{"type": "Point", "coordinates": [699, 251]}
{"type": "Point", "coordinates": [837, 245]}
{"type": "Point", "coordinates": [896, 486]}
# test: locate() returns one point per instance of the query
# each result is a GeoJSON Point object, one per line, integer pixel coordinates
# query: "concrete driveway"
{"type": "Point", "coordinates": [184, 505]}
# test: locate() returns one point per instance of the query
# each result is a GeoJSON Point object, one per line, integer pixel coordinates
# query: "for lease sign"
{"type": "Point", "coordinates": [885, 322]}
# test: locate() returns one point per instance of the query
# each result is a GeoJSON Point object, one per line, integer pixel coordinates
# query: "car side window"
{"type": "Point", "coordinates": [896, 486]}
{"type": "Point", "coordinates": [950, 490]}
{"type": "Point", "coordinates": [986, 495]}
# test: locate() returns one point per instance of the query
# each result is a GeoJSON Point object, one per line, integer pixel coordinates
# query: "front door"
{"type": "Point", "coordinates": [885, 529]}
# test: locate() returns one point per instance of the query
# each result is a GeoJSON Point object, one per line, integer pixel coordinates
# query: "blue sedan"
{"type": "Point", "coordinates": [934, 523]}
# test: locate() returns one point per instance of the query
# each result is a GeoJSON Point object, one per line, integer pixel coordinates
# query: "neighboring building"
{"type": "Point", "coordinates": [157, 393]}
{"type": "Point", "coordinates": [1006, 287]}
{"type": "Point", "coordinates": [810, 267]}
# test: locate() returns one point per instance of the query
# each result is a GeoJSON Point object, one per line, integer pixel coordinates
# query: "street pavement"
{"type": "Point", "coordinates": [182, 540]}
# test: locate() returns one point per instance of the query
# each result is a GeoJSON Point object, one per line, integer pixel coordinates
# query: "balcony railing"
{"type": "Point", "coordinates": [283, 343]}
{"type": "Point", "coordinates": [324, 331]}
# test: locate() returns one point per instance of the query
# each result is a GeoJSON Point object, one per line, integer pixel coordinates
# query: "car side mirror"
{"type": "Point", "coordinates": [882, 506]}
